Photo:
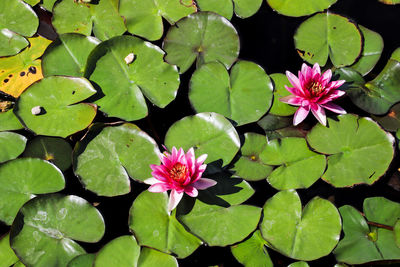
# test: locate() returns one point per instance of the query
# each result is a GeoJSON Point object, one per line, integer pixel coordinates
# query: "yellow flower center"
{"type": "Point", "coordinates": [315, 88]}
{"type": "Point", "coordinates": [178, 173]}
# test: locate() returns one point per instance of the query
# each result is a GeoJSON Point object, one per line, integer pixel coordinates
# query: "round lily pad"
{"type": "Point", "coordinates": [246, 8]}
{"type": "Point", "coordinates": [252, 252]}
{"type": "Point", "coordinates": [151, 257]}
{"type": "Point", "coordinates": [9, 122]}
{"type": "Point", "coordinates": [84, 260]}
{"type": "Point", "coordinates": [208, 133]}
{"type": "Point", "coordinates": [104, 161]}
{"type": "Point", "coordinates": [298, 8]}
{"type": "Point", "coordinates": [53, 149]}
{"type": "Point", "coordinates": [49, 107]}
{"type": "Point", "coordinates": [302, 234]}
{"type": "Point", "coordinates": [127, 68]}
{"type": "Point", "coordinates": [328, 34]}
{"type": "Point", "coordinates": [21, 179]}
{"type": "Point", "coordinates": [396, 54]}
{"type": "Point", "coordinates": [222, 7]}
{"type": "Point", "coordinates": [144, 18]}
{"type": "Point", "coordinates": [154, 227]}
{"type": "Point", "coordinates": [396, 231]}
{"type": "Point", "coordinates": [68, 55]}
{"type": "Point", "coordinates": [7, 255]}
{"type": "Point", "coordinates": [11, 145]}
{"type": "Point", "coordinates": [279, 108]}
{"type": "Point", "coordinates": [299, 167]}
{"type": "Point", "coordinates": [244, 96]}
{"type": "Point", "coordinates": [249, 166]}
{"type": "Point", "coordinates": [45, 227]}
{"type": "Point", "coordinates": [299, 264]}
{"type": "Point", "coordinates": [204, 36]}
{"type": "Point", "coordinates": [122, 251]}
{"type": "Point", "coordinates": [358, 150]}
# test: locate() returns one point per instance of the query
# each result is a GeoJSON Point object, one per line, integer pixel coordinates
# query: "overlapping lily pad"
{"type": "Point", "coordinates": [208, 133]}
{"type": "Point", "coordinates": [127, 68]}
{"type": "Point", "coordinates": [9, 122]}
{"type": "Point", "coordinates": [299, 264]}
{"type": "Point", "coordinates": [21, 179]}
{"type": "Point", "coordinates": [144, 18]}
{"type": "Point", "coordinates": [83, 17]}
{"type": "Point", "coordinates": [151, 257]}
{"type": "Point", "coordinates": [49, 107]}
{"type": "Point", "coordinates": [279, 108]}
{"type": "Point", "coordinates": [391, 121]}
{"type": "Point", "coordinates": [358, 150]}
{"type": "Point", "coordinates": [243, 8]}
{"type": "Point", "coordinates": [83, 260]}
{"type": "Point", "coordinates": [122, 251]}
{"type": "Point", "coordinates": [104, 161]}
{"type": "Point", "coordinates": [7, 255]}
{"type": "Point", "coordinates": [45, 228]}
{"type": "Point", "coordinates": [396, 54]}
{"type": "Point", "coordinates": [202, 36]}
{"type": "Point", "coordinates": [244, 96]}
{"type": "Point", "coordinates": [298, 8]}
{"type": "Point", "coordinates": [299, 167]}
{"type": "Point", "coordinates": [303, 234]}
{"type": "Point", "coordinates": [11, 145]}
{"type": "Point", "coordinates": [154, 227]}
{"type": "Point", "coordinates": [328, 34]}
{"type": "Point", "coordinates": [68, 55]}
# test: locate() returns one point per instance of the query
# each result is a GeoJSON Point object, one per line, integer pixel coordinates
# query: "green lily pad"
{"type": "Point", "coordinates": [249, 166]}
{"type": "Point", "coordinates": [9, 122]}
{"type": "Point", "coordinates": [84, 260]}
{"type": "Point", "coordinates": [11, 145]}
{"type": "Point", "coordinates": [299, 167]}
{"type": "Point", "coordinates": [17, 18]}
{"type": "Point", "coordinates": [222, 7]}
{"type": "Point", "coordinates": [391, 121]}
{"type": "Point", "coordinates": [204, 36]}
{"type": "Point", "coordinates": [32, 2]}
{"type": "Point", "coordinates": [48, 4]}
{"type": "Point", "coordinates": [246, 8]}
{"type": "Point", "coordinates": [306, 234]}
{"type": "Point", "coordinates": [151, 257]}
{"type": "Point", "coordinates": [7, 255]}
{"type": "Point", "coordinates": [21, 179]}
{"type": "Point", "coordinates": [396, 54]}
{"type": "Point", "coordinates": [358, 150]}
{"type": "Point", "coordinates": [372, 50]}
{"type": "Point", "coordinates": [272, 122]}
{"type": "Point", "coordinates": [49, 107]}
{"type": "Point", "coordinates": [154, 227]}
{"type": "Point", "coordinates": [123, 83]}
{"type": "Point", "coordinates": [279, 108]}
{"type": "Point", "coordinates": [68, 55]}
{"type": "Point", "coordinates": [299, 264]}
{"type": "Point", "coordinates": [122, 251]}
{"type": "Point", "coordinates": [328, 34]}
{"type": "Point", "coordinates": [285, 132]}
{"type": "Point", "coordinates": [101, 17]}
{"type": "Point", "coordinates": [252, 252]}
{"type": "Point", "coordinates": [54, 149]}
{"type": "Point", "coordinates": [208, 133]}
{"type": "Point", "coordinates": [105, 160]}
{"type": "Point", "coordinates": [390, 2]}
{"type": "Point", "coordinates": [45, 227]}
{"type": "Point", "coordinates": [396, 231]}
{"type": "Point", "coordinates": [298, 8]}
{"type": "Point", "coordinates": [243, 97]}
{"type": "Point", "coordinates": [144, 18]}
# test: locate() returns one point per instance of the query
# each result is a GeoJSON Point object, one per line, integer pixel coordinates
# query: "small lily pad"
{"type": "Point", "coordinates": [151, 257]}
{"type": "Point", "coordinates": [299, 264]}
{"type": "Point", "coordinates": [302, 234]}
{"type": "Point", "coordinates": [298, 8]}
{"type": "Point", "coordinates": [84, 260]}
{"type": "Point", "coordinates": [122, 251]}
{"type": "Point", "coordinates": [7, 255]}
{"type": "Point", "coordinates": [9, 122]}
{"type": "Point", "coordinates": [358, 150]}
{"type": "Point", "coordinates": [222, 7]}
{"type": "Point", "coordinates": [279, 108]}
{"type": "Point", "coordinates": [204, 36]}
{"type": "Point", "coordinates": [11, 145]}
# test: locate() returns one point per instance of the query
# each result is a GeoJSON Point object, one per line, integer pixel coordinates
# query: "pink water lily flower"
{"type": "Point", "coordinates": [313, 91]}
{"type": "Point", "coordinates": [180, 173]}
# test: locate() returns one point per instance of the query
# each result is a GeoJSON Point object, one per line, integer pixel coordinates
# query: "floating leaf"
{"type": "Point", "coordinates": [154, 227]}
{"type": "Point", "coordinates": [243, 97]}
{"type": "Point", "coordinates": [396, 231]}
{"type": "Point", "coordinates": [204, 36]}
{"type": "Point", "coordinates": [9, 122]}
{"type": "Point", "coordinates": [20, 71]}
{"type": "Point", "coordinates": [222, 7]}
{"type": "Point", "coordinates": [391, 121]}
{"type": "Point", "coordinates": [77, 16]}
{"type": "Point", "coordinates": [299, 264]}
{"type": "Point", "coordinates": [48, 4]}
{"type": "Point", "coordinates": [306, 234]}
{"type": "Point", "coordinates": [299, 167]}
{"type": "Point", "coordinates": [249, 166]}
{"type": "Point", "coordinates": [68, 55]}
{"type": "Point", "coordinates": [390, 2]}
{"type": "Point", "coordinates": [84, 260]}
{"type": "Point", "coordinates": [396, 54]}
{"type": "Point", "coordinates": [53, 149]}
{"type": "Point", "coordinates": [7, 255]}
{"type": "Point", "coordinates": [124, 84]}
{"type": "Point", "coordinates": [126, 150]}
{"type": "Point", "coordinates": [272, 122]}
{"type": "Point", "coordinates": [246, 8]}
{"type": "Point", "coordinates": [11, 145]}
{"type": "Point", "coordinates": [252, 252]}
{"type": "Point", "coordinates": [151, 257]}
{"type": "Point", "coordinates": [372, 50]}
{"type": "Point", "coordinates": [208, 133]}
{"type": "Point", "coordinates": [327, 34]}
{"type": "Point", "coordinates": [298, 8]}
{"type": "Point", "coordinates": [279, 108]}
{"type": "Point", "coordinates": [32, 2]}
{"type": "Point", "coordinates": [359, 150]}
{"type": "Point", "coordinates": [49, 107]}
{"type": "Point", "coordinates": [21, 179]}
{"type": "Point", "coordinates": [43, 232]}
{"type": "Point", "coordinates": [122, 251]}
{"type": "Point", "coordinates": [144, 18]}
{"type": "Point", "coordinates": [17, 18]}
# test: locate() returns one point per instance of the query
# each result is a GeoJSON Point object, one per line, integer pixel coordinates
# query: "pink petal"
{"type": "Point", "coordinates": [293, 90]}
{"type": "Point", "coordinates": [201, 159]}
{"type": "Point", "coordinates": [292, 100]}
{"type": "Point", "coordinates": [174, 199]}
{"type": "Point", "coordinates": [191, 160]}
{"type": "Point", "coordinates": [306, 74]}
{"type": "Point", "coordinates": [191, 191]}
{"type": "Point", "coordinates": [151, 181]}
{"type": "Point", "coordinates": [336, 84]}
{"type": "Point", "coordinates": [331, 96]}
{"type": "Point", "coordinates": [159, 187]}
{"type": "Point", "coordinates": [334, 108]}
{"type": "Point", "coordinates": [293, 80]}
{"type": "Point", "coordinates": [326, 77]}
{"type": "Point", "coordinates": [301, 114]}
{"type": "Point", "coordinates": [319, 113]}
{"type": "Point", "coordinates": [316, 68]}
{"type": "Point", "coordinates": [204, 183]}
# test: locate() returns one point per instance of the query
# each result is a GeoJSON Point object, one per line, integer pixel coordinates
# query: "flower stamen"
{"type": "Point", "coordinates": [178, 173]}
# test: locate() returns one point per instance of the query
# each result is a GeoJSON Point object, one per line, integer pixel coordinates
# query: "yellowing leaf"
{"type": "Point", "coordinates": [19, 71]}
